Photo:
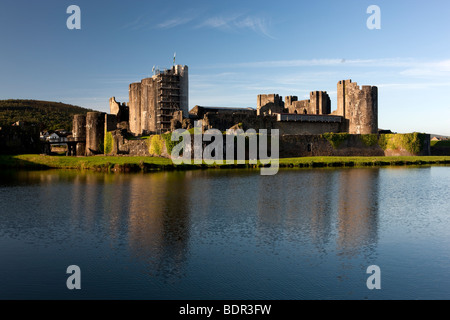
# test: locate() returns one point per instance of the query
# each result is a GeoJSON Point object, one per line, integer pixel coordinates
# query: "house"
{"type": "Point", "coordinates": [54, 137]}
{"type": "Point", "coordinates": [44, 135]}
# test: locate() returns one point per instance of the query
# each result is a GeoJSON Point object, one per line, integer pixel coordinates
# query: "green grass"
{"type": "Point", "coordinates": [362, 161]}
{"type": "Point", "coordinates": [125, 163]}
{"type": "Point", "coordinates": [96, 162]}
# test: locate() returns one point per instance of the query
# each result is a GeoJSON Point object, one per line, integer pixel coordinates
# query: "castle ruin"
{"type": "Point", "coordinates": [160, 104]}
{"type": "Point", "coordinates": [153, 101]}
{"type": "Point", "coordinates": [357, 108]}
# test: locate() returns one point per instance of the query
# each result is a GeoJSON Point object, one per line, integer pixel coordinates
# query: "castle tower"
{"type": "Point", "coordinates": [114, 106]}
{"type": "Point", "coordinates": [289, 100]}
{"type": "Point", "coordinates": [135, 107]}
{"type": "Point", "coordinates": [148, 106]}
{"type": "Point", "coordinates": [320, 102]}
{"type": "Point", "coordinates": [183, 73]}
{"type": "Point", "coordinates": [154, 100]}
{"type": "Point", "coordinates": [269, 103]}
{"type": "Point", "coordinates": [359, 106]}
{"type": "Point", "coordinates": [95, 132]}
{"type": "Point", "coordinates": [79, 133]}
{"type": "Point", "coordinates": [341, 92]}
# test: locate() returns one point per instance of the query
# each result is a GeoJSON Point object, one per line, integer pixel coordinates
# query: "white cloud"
{"type": "Point", "coordinates": [429, 69]}
{"type": "Point", "coordinates": [235, 22]}
{"type": "Point", "coordinates": [218, 22]}
{"type": "Point", "coordinates": [137, 24]}
{"type": "Point", "coordinates": [405, 68]}
{"type": "Point", "coordinates": [395, 62]}
{"type": "Point", "coordinates": [414, 85]}
{"type": "Point", "coordinates": [232, 22]}
{"type": "Point", "coordinates": [175, 22]}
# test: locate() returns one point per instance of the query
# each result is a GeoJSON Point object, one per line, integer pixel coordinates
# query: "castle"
{"type": "Point", "coordinates": [357, 109]}
{"type": "Point", "coordinates": [160, 104]}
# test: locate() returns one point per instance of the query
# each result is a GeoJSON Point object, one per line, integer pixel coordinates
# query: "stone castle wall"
{"type": "Point", "coordinates": [123, 146]}
{"type": "Point", "coordinates": [297, 107]}
{"type": "Point", "coordinates": [268, 104]}
{"type": "Point", "coordinates": [223, 122]}
{"type": "Point", "coordinates": [316, 145]}
{"type": "Point", "coordinates": [292, 146]}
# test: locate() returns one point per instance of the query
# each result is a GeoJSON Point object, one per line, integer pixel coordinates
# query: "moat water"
{"type": "Point", "coordinates": [226, 234]}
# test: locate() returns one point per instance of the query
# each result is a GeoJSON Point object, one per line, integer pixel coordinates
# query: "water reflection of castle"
{"type": "Point", "coordinates": [153, 213]}
{"type": "Point", "coordinates": [358, 210]}
{"type": "Point", "coordinates": [148, 212]}
{"type": "Point", "coordinates": [326, 207]}
{"type": "Point", "coordinates": [159, 221]}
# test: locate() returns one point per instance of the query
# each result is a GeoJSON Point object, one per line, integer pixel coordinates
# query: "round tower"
{"type": "Point", "coordinates": [95, 133]}
{"type": "Point", "coordinates": [358, 106]}
{"type": "Point", "coordinates": [79, 133]}
{"type": "Point", "coordinates": [363, 111]}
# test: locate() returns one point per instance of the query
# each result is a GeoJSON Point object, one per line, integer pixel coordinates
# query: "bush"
{"type": "Point", "coordinates": [108, 144]}
{"type": "Point", "coordinates": [169, 143]}
{"type": "Point", "coordinates": [383, 140]}
{"type": "Point", "coordinates": [411, 142]}
{"type": "Point", "coordinates": [369, 140]}
{"type": "Point", "coordinates": [156, 145]}
{"type": "Point", "coordinates": [335, 139]}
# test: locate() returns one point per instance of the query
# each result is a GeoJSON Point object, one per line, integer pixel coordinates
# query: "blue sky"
{"type": "Point", "coordinates": [235, 50]}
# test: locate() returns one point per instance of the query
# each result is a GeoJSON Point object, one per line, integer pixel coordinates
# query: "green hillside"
{"type": "Point", "coordinates": [46, 114]}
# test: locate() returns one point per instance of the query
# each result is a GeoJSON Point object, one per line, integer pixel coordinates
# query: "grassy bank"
{"type": "Point", "coordinates": [363, 161]}
{"type": "Point", "coordinates": [33, 161]}
{"type": "Point", "coordinates": [126, 164]}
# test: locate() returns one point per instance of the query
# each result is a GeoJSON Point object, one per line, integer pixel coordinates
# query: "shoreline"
{"type": "Point", "coordinates": [147, 164]}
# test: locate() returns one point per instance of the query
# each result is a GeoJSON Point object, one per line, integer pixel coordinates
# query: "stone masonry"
{"type": "Point", "coordinates": [154, 100]}
{"type": "Point", "coordinates": [318, 103]}
{"type": "Point", "coordinates": [359, 106]}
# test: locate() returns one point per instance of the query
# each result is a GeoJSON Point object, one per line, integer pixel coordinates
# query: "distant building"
{"type": "Point", "coordinates": [55, 137]}
{"type": "Point", "coordinates": [44, 135]}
